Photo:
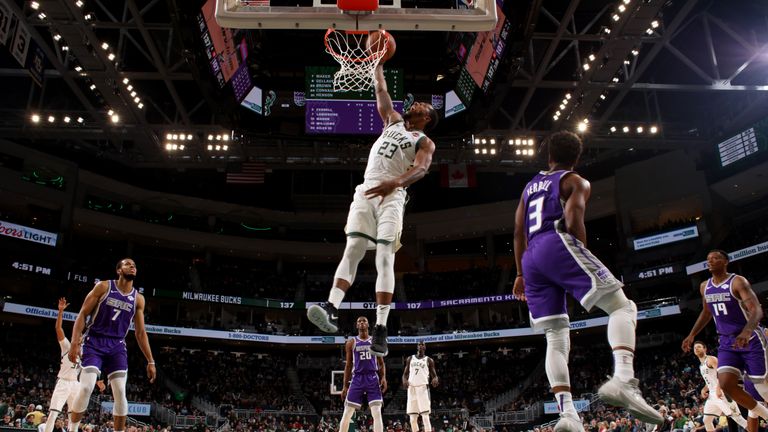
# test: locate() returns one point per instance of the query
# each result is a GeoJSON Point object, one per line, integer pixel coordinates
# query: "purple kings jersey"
{"type": "Point", "coordinates": [726, 309]}
{"type": "Point", "coordinates": [363, 360]}
{"type": "Point", "coordinates": [113, 315]}
{"type": "Point", "coordinates": [543, 204]}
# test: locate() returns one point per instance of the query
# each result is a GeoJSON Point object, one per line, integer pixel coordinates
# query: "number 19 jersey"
{"type": "Point", "coordinates": [726, 309]}
{"type": "Point", "coordinates": [393, 153]}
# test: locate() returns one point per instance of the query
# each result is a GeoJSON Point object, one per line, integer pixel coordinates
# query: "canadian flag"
{"type": "Point", "coordinates": [458, 176]}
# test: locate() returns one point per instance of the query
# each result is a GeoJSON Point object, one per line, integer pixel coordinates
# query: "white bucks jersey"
{"type": "Point", "coordinates": [68, 370]}
{"type": "Point", "coordinates": [393, 153]}
{"type": "Point", "coordinates": [710, 377]}
{"type": "Point", "coordinates": [418, 373]}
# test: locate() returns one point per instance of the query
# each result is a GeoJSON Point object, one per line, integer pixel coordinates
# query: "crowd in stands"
{"type": "Point", "coordinates": [248, 381]}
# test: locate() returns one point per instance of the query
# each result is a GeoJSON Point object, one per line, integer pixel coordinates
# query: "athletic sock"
{"type": "Point", "coordinates": [336, 296]}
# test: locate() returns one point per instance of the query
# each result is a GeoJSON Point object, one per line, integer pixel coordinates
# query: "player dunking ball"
{"type": "Point", "coordinates": [111, 306]}
{"type": "Point", "coordinates": [364, 374]}
{"type": "Point", "coordinates": [400, 157]}
{"type": "Point", "coordinates": [552, 260]}
{"type": "Point", "coordinates": [416, 378]}
{"type": "Point", "coordinates": [716, 404]}
{"type": "Point", "coordinates": [729, 299]}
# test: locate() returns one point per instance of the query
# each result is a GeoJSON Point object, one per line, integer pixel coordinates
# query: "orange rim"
{"type": "Point", "coordinates": [355, 60]}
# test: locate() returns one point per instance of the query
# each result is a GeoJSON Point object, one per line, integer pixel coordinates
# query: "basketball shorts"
{"type": "Point", "coordinates": [106, 355]}
{"type": "Point", "coordinates": [379, 221]}
{"type": "Point", "coordinates": [719, 406]}
{"type": "Point", "coordinates": [555, 264]}
{"type": "Point", "coordinates": [64, 392]}
{"type": "Point", "coordinates": [750, 359]}
{"type": "Point", "coordinates": [366, 384]}
{"type": "Point", "coordinates": [419, 401]}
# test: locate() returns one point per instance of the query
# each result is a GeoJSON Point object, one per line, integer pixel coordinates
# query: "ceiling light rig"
{"type": "Point", "coordinates": [53, 119]}
{"type": "Point", "coordinates": [638, 128]}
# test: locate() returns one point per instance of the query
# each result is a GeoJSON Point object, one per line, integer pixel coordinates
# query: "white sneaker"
{"type": "Point", "coordinates": [568, 423]}
{"type": "Point", "coordinates": [627, 395]}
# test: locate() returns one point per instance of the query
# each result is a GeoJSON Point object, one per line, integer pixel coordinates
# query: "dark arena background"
{"type": "Point", "coordinates": [219, 160]}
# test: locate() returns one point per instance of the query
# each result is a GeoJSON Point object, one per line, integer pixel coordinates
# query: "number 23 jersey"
{"type": "Point", "coordinates": [393, 153]}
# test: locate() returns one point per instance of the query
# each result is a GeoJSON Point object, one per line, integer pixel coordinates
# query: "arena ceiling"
{"type": "Point", "coordinates": [694, 69]}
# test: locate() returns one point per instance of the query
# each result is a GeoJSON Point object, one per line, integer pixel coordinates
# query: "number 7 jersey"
{"type": "Point", "coordinates": [730, 318]}
{"type": "Point", "coordinates": [113, 314]}
{"type": "Point", "coordinates": [543, 204]}
{"type": "Point", "coordinates": [393, 153]}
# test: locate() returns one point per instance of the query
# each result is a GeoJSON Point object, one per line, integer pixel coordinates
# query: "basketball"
{"type": "Point", "coordinates": [376, 40]}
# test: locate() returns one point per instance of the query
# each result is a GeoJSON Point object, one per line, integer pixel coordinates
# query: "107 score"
{"type": "Point", "coordinates": [31, 268]}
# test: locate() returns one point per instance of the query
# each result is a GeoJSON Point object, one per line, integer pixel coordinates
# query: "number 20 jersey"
{"type": "Point", "coordinates": [393, 153]}
{"type": "Point", "coordinates": [543, 204]}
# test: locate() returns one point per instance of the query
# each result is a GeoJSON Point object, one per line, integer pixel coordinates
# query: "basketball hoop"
{"type": "Point", "coordinates": [357, 60]}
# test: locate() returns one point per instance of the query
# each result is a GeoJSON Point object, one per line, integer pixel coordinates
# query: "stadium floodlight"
{"type": "Point", "coordinates": [654, 129]}
{"type": "Point", "coordinates": [35, 118]}
{"type": "Point", "coordinates": [51, 119]}
{"type": "Point", "coordinates": [639, 129]}
{"type": "Point", "coordinates": [625, 129]}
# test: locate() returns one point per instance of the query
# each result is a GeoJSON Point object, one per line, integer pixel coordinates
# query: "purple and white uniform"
{"type": "Point", "coordinates": [104, 339]}
{"type": "Point", "coordinates": [730, 319]}
{"type": "Point", "coordinates": [555, 262]}
{"type": "Point", "coordinates": [365, 377]}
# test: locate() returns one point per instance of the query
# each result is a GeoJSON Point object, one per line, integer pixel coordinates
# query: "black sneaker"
{"type": "Point", "coordinates": [379, 344]}
{"type": "Point", "coordinates": [325, 317]}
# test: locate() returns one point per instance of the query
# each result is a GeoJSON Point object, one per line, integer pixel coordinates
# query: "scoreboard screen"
{"type": "Point", "coordinates": [330, 112]}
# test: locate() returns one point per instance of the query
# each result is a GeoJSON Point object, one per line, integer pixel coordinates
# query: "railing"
{"type": "Point", "coordinates": [482, 422]}
{"type": "Point", "coordinates": [184, 422]}
{"type": "Point", "coordinates": [163, 414]}
{"type": "Point", "coordinates": [520, 417]}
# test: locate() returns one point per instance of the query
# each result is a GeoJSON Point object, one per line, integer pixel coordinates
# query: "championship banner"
{"type": "Point", "coordinates": [134, 408]}
{"type": "Point", "coordinates": [22, 232]}
{"type": "Point", "coordinates": [732, 256]}
{"type": "Point", "coordinates": [666, 237]}
{"type": "Point", "coordinates": [338, 340]}
{"type": "Point", "coordinates": [581, 405]}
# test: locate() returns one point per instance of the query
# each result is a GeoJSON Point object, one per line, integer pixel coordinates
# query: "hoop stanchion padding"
{"type": "Point", "coordinates": [358, 5]}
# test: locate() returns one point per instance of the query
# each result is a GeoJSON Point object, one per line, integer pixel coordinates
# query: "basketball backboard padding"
{"type": "Point", "coordinates": [234, 14]}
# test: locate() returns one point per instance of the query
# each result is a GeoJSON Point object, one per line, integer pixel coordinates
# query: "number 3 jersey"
{"type": "Point", "coordinates": [730, 317]}
{"type": "Point", "coordinates": [543, 204]}
{"type": "Point", "coordinates": [393, 153]}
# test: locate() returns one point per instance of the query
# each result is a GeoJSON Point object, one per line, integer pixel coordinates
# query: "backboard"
{"type": "Point", "coordinates": [324, 14]}
{"type": "Point", "coordinates": [337, 382]}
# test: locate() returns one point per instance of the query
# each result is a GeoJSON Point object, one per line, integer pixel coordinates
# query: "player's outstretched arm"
{"type": "Point", "coordinates": [383, 100]}
{"type": "Point", "coordinates": [578, 190]}
{"type": "Point", "coordinates": [521, 244]}
{"type": "Point", "coordinates": [406, 371]}
{"type": "Point", "coordinates": [143, 339]}
{"type": "Point", "coordinates": [433, 372]}
{"type": "Point", "coordinates": [89, 304]}
{"type": "Point", "coordinates": [420, 168]}
{"type": "Point", "coordinates": [60, 336]}
{"type": "Point", "coordinates": [382, 371]}
{"type": "Point", "coordinates": [704, 317]}
{"type": "Point", "coordinates": [347, 367]}
{"type": "Point", "coordinates": [743, 291]}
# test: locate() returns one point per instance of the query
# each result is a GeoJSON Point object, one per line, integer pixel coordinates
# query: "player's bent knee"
{"type": "Point", "coordinates": [617, 301]}
{"type": "Point", "coordinates": [87, 380]}
{"type": "Point", "coordinates": [117, 381]}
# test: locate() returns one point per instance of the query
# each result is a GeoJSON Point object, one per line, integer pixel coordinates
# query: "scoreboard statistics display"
{"type": "Point", "coordinates": [329, 112]}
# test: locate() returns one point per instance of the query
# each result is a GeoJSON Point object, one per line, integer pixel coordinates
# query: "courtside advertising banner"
{"type": "Point", "coordinates": [134, 409]}
{"type": "Point", "coordinates": [22, 232]}
{"type": "Point", "coordinates": [656, 312]}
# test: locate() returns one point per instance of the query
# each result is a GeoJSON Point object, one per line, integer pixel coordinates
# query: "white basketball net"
{"type": "Point", "coordinates": [357, 61]}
